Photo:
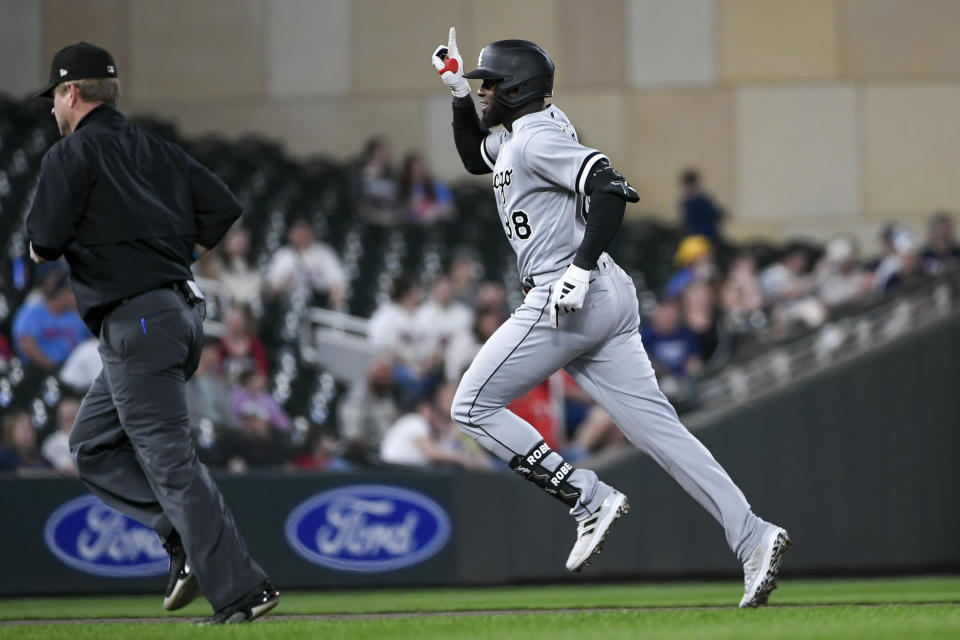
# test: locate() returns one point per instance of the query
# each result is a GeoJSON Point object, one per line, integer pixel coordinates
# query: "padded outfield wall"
{"type": "Point", "coordinates": [860, 463]}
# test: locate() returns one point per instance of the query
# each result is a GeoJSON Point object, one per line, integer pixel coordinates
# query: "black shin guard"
{"type": "Point", "coordinates": [530, 467]}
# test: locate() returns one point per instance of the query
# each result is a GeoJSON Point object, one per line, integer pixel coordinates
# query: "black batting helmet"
{"type": "Point", "coordinates": [518, 64]}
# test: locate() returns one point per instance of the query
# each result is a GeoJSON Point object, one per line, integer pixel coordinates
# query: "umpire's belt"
{"type": "Point", "coordinates": [180, 286]}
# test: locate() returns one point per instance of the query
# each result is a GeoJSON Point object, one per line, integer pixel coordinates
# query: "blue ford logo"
{"type": "Point", "coordinates": [89, 536]}
{"type": "Point", "coordinates": [367, 528]}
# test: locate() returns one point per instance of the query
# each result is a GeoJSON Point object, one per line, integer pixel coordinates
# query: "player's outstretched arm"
{"type": "Point", "coordinates": [468, 134]}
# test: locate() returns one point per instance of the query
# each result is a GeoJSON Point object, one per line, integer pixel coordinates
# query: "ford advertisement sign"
{"type": "Point", "coordinates": [91, 537]}
{"type": "Point", "coordinates": [367, 528]}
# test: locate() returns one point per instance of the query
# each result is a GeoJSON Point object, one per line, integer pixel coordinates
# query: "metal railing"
{"type": "Point", "coordinates": [835, 342]}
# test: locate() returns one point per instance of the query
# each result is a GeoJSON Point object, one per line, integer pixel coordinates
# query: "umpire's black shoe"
{"type": "Point", "coordinates": [182, 585]}
{"type": "Point", "coordinates": [249, 607]}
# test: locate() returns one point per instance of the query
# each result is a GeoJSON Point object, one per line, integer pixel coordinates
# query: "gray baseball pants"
{"type": "Point", "coordinates": [600, 348]}
{"type": "Point", "coordinates": [131, 440]}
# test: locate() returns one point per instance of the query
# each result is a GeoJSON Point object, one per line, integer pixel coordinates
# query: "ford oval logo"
{"type": "Point", "coordinates": [89, 536]}
{"type": "Point", "coordinates": [367, 528]}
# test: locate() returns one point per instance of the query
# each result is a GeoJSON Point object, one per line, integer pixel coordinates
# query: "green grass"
{"type": "Point", "coordinates": [857, 609]}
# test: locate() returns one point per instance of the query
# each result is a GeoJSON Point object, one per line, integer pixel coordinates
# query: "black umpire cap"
{"type": "Point", "coordinates": [76, 62]}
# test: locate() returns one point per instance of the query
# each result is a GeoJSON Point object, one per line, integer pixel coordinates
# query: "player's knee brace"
{"type": "Point", "coordinates": [555, 483]}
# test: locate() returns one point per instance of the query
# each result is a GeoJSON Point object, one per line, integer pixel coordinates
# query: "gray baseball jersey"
{"type": "Point", "coordinates": [539, 175]}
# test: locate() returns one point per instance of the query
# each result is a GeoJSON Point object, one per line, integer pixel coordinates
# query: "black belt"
{"type": "Point", "coordinates": [180, 286]}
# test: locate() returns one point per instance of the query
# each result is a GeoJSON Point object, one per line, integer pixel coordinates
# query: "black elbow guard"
{"type": "Point", "coordinates": [604, 178]}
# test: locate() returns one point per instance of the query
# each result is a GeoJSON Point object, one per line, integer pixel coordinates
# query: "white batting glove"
{"type": "Point", "coordinates": [448, 63]}
{"type": "Point", "coordinates": [569, 292]}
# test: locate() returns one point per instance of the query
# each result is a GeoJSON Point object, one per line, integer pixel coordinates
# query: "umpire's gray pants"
{"type": "Point", "coordinates": [600, 348]}
{"type": "Point", "coordinates": [131, 440]}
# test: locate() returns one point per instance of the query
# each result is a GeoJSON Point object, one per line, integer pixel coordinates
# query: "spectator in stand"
{"type": "Point", "coordinates": [18, 446]}
{"type": "Point", "coordinates": [464, 345]}
{"type": "Point", "coordinates": [700, 316]}
{"type": "Point", "coordinates": [694, 257]}
{"type": "Point", "coordinates": [788, 288]}
{"type": "Point", "coordinates": [426, 198]}
{"type": "Point", "coordinates": [464, 275]}
{"type": "Point", "coordinates": [428, 437]}
{"type": "Point", "coordinates": [598, 431]}
{"type": "Point", "coordinates": [741, 296]}
{"type": "Point", "coordinates": [441, 316]}
{"type": "Point", "coordinates": [82, 366]}
{"type": "Point", "coordinates": [368, 410]}
{"type": "Point", "coordinates": [320, 453]}
{"type": "Point", "coordinates": [379, 193]}
{"type": "Point", "coordinates": [46, 331]}
{"type": "Point", "coordinates": [901, 264]}
{"type": "Point", "coordinates": [250, 398]}
{"type": "Point", "coordinates": [673, 349]}
{"type": "Point", "coordinates": [258, 443]}
{"type": "Point", "coordinates": [492, 296]}
{"type": "Point", "coordinates": [208, 396]}
{"type": "Point", "coordinates": [56, 447]}
{"type": "Point", "coordinates": [840, 279]}
{"type": "Point", "coordinates": [241, 279]}
{"type": "Point", "coordinates": [942, 250]}
{"type": "Point", "coordinates": [394, 331]}
{"type": "Point", "coordinates": [240, 349]}
{"type": "Point", "coordinates": [307, 269]}
{"type": "Point", "coordinates": [699, 214]}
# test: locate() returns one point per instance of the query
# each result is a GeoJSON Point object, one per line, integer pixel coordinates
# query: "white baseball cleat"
{"type": "Point", "coordinates": [592, 530]}
{"type": "Point", "coordinates": [761, 568]}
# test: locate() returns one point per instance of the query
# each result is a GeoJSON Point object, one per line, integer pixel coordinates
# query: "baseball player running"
{"type": "Point", "coordinates": [560, 205]}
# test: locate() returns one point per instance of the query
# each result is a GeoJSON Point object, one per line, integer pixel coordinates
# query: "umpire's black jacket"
{"type": "Point", "coordinates": [126, 209]}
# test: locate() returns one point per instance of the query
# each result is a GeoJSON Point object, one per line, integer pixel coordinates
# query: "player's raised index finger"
{"type": "Point", "coordinates": [452, 44]}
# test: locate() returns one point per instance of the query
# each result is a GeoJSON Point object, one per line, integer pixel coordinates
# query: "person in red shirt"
{"type": "Point", "coordinates": [240, 349]}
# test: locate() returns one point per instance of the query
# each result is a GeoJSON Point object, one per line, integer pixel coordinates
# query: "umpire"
{"type": "Point", "coordinates": [126, 209]}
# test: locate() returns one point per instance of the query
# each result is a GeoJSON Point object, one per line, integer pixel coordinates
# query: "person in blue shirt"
{"type": "Point", "coordinates": [673, 349]}
{"type": "Point", "coordinates": [699, 214]}
{"type": "Point", "coordinates": [47, 330]}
